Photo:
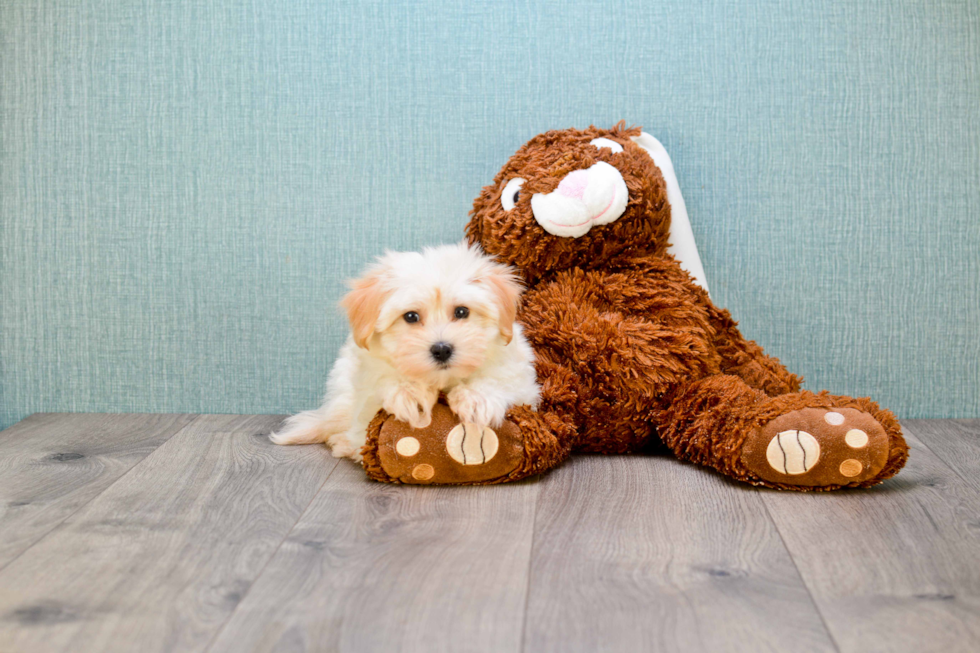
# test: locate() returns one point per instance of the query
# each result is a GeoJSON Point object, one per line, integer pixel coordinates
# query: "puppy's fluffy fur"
{"type": "Point", "coordinates": [404, 314]}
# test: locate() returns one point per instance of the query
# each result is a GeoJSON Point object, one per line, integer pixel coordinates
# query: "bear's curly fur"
{"type": "Point", "coordinates": [632, 353]}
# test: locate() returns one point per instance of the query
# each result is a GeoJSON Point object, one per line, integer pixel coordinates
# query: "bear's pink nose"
{"type": "Point", "coordinates": [574, 184]}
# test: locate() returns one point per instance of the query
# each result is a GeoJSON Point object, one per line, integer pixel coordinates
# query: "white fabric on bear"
{"type": "Point", "coordinates": [682, 245]}
{"type": "Point", "coordinates": [615, 147]}
{"type": "Point", "coordinates": [595, 195]}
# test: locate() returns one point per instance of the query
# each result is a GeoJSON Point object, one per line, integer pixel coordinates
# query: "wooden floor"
{"type": "Point", "coordinates": [193, 533]}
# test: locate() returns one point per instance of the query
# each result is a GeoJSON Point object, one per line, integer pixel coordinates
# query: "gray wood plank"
{"type": "Point", "coordinates": [649, 554]}
{"type": "Point", "coordinates": [892, 568]}
{"type": "Point", "coordinates": [375, 567]}
{"type": "Point", "coordinates": [955, 441]}
{"type": "Point", "coordinates": [52, 464]}
{"type": "Point", "coordinates": [159, 560]}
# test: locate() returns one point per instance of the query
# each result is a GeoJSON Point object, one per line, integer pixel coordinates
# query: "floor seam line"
{"type": "Point", "coordinates": [530, 564]}
{"type": "Point", "coordinates": [98, 494]}
{"type": "Point", "coordinates": [939, 457]}
{"type": "Point", "coordinates": [792, 558]}
{"type": "Point", "coordinates": [272, 556]}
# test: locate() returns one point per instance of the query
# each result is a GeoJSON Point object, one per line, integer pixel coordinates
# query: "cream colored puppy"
{"type": "Point", "coordinates": [423, 323]}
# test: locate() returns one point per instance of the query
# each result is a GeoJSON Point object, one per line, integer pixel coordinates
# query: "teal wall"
{"type": "Point", "coordinates": [185, 184]}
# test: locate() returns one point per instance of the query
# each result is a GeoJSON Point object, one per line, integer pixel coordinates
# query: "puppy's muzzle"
{"type": "Point", "coordinates": [441, 352]}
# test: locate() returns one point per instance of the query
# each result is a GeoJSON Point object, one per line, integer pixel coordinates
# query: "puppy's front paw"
{"type": "Point", "coordinates": [473, 408]}
{"type": "Point", "coordinates": [411, 405]}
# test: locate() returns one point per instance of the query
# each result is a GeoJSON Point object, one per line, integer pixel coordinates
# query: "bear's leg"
{"type": "Point", "coordinates": [448, 452]}
{"type": "Point", "coordinates": [747, 360]}
{"type": "Point", "coordinates": [796, 441]}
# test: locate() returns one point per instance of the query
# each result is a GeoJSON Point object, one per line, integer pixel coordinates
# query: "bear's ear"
{"type": "Point", "coordinates": [681, 241]}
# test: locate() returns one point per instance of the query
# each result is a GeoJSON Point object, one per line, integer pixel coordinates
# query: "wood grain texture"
{"type": "Point", "coordinates": [955, 441]}
{"type": "Point", "coordinates": [52, 464]}
{"type": "Point", "coordinates": [217, 540]}
{"type": "Point", "coordinates": [646, 553]}
{"type": "Point", "coordinates": [893, 568]}
{"type": "Point", "coordinates": [373, 567]}
{"type": "Point", "coordinates": [159, 560]}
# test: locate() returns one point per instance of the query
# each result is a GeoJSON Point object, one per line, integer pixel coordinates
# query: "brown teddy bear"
{"type": "Point", "coordinates": [631, 351]}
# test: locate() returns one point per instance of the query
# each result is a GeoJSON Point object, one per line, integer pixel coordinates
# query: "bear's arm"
{"type": "Point", "coordinates": [739, 356]}
{"type": "Point", "coordinates": [620, 335]}
{"type": "Point", "coordinates": [645, 326]}
{"type": "Point", "coordinates": [746, 359]}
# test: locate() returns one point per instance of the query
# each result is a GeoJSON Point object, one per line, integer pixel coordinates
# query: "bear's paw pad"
{"type": "Point", "coordinates": [814, 447]}
{"type": "Point", "coordinates": [448, 451]}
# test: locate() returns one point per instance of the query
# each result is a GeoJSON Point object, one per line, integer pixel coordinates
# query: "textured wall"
{"type": "Point", "coordinates": [184, 185]}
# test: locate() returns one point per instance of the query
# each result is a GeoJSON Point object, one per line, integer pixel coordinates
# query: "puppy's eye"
{"type": "Point", "coordinates": [411, 317]}
{"type": "Point", "coordinates": [607, 143]}
{"type": "Point", "coordinates": [512, 193]}
{"type": "Point", "coordinates": [461, 313]}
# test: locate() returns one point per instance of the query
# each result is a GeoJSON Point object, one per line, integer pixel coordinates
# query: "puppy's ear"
{"type": "Point", "coordinates": [506, 290]}
{"type": "Point", "coordinates": [363, 305]}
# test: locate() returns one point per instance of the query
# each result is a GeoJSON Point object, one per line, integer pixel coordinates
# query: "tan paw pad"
{"type": "Point", "coordinates": [793, 452]}
{"type": "Point", "coordinates": [851, 468]}
{"type": "Point", "coordinates": [468, 444]}
{"type": "Point", "coordinates": [812, 447]}
{"type": "Point", "coordinates": [408, 446]}
{"type": "Point", "coordinates": [423, 472]}
{"type": "Point", "coordinates": [856, 439]}
{"type": "Point", "coordinates": [834, 419]}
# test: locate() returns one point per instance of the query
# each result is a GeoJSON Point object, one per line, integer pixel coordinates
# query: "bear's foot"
{"type": "Point", "coordinates": [818, 447]}
{"type": "Point", "coordinates": [445, 452]}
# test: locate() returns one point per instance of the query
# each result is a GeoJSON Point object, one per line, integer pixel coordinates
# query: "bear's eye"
{"type": "Point", "coordinates": [605, 142]}
{"type": "Point", "coordinates": [512, 192]}
{"type": "Point", "coordinates": [411, 317]}
{"type": "Point", "coordinates": [461, 313]}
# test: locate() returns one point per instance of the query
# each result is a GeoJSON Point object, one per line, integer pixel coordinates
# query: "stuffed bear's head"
{"type": "Point", "coordinates": [573, 198]}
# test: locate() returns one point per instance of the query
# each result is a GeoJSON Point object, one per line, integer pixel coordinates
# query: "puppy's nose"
{"type": "Point", "coordinates": [441, 351]}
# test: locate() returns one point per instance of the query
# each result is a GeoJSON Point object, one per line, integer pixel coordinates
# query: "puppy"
{"type": "Point", "coordinates": [423, 323]}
